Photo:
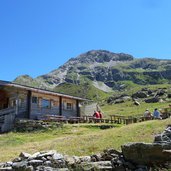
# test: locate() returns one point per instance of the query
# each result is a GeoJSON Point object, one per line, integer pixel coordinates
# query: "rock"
{"type": "Point", "coordinates": [9, 163]}
{"type": "Point", "coordinates": [57, 156]}
{"type": "Point", "coordinates": [45, 154]}
{"type": "Point", "coordinates": [142, 168]}
{"type": "Point", "coordinates": [160, 92]}
{"type": "Point", "coordinates": [106, 157]}
{"type": "Point", "coordinates": [18, 159]}
{"type": "Point", "coordinates": [129, 165]}
{"type": "Point", "coordinates": [29, 168]}
{"type": "Point", "coordinates": [69, 160]}
{"type": "Point", "coordinates": [20, 166]}
{"type": "Point", "coordinates": [6, 169]}
{"type": "Point", "coordinates": [136, 103]}
{"type": "Point", "coordinates": [169, 95]}
{"type": "Point", "coordinates": [101, 166]}
{"type": "Point", "coordinates": [157, 138]}
{"type": "Point", "coordinates": [164, 137]}
{"type": "Point", "coordinates": [113, 151]}
{"type": "Point", "coordinates": [22, 125]}
{"type": "Point", "coordinates": [118, 99]}
{"type": "Point", "coordinates": [35, 162]}
{"type": "Point", "coordinates": [34, 156]}
{"type": "Point", "coordinates": [45, 168]}
{"type": "Point", "coordinates": [2, 165]}
{"type": "Point", "coordinates": [77, 159]}
{"type": "Point", "coordinates": [139, 94]}
{"type": "Point", "coordinates": [152, 100]}
{"type": "Point", "coordinates": [119, 168]}
{"type": "Point", "coordinates": [24, 155]}
{"type": "Point", "coordinates": [85, 159]}
{"type": "Point", "coordinates": [149, 92]}
{"type": "Point", "coordinates": [96, 157]}
{"type": "Point", "coordinates": [146, 153]}
{"type": "Point", "coordinates": [48, 163]}
{"type": "Point", "coordinates": [43, 159]}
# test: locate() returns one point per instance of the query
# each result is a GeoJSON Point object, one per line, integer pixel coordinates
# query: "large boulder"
{"type": "Point", "coordinates": [152, 100]}
{"type": "Point", "coordinates": [147, 153]}
{"type": "Point", "coordinates": [139, 94]}
{"type": "Point", "coordinates": [161, 92]}
{"type": "Point", "coordinates": [164, 137]}
{"type": "Point", "coordinates": [118, 99]}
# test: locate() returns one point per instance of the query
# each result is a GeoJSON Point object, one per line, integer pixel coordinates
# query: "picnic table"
{"type": "Point", "coordinates": [116, 118]}
{"type": "Point", "coordinates": [55, 118]}
{"type": "Point", "coordinates": [92, 119]}
{"type": "Point", "coordinates": [74, 119]}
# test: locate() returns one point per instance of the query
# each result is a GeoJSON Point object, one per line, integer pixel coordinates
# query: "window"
{"type": "Point", "coordinates": [55, 103]}
{"type": "Point", "coordinates": [45, 103]}
{"type": "Point", "coordinates": [13, 103]}
{"type": "Point", "coordinates": [34, 99]}
{"type": "Point", "coordinates": [69, 106]}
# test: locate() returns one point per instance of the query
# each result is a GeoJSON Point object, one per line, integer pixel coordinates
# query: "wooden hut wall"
{"type": "Point", "coordinates": [43, 104]}
{"type": "Point", "coordinates": [18, 100]}
{"type": "Point", "coordinates": [39, 104]}
{"type": "Point", "coordinates": [69, 107]}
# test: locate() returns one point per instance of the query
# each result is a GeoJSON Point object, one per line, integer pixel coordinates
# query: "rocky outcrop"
{"type": "Point", "coordinates": [152, 100]}
{"type": "Point", "coordinates": [139, 94]}
{"type": "Point", "coordinates": [118, 99]}
{"type": "Point", "coordinates": [147, 153]}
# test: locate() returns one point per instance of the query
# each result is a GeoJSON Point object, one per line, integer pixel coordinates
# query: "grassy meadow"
{"type": "Point", "coordinates": [78, 139]}
{"type": "Point", "coordinates": [129, 109]}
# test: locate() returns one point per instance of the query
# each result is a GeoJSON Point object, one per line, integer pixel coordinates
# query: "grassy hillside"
{"type": "Point", "coordinates": [128, 108]}
{"type": "Point", "coordinates": [83, 90]}
{"type": "Point", "coordinates": [79, 139]}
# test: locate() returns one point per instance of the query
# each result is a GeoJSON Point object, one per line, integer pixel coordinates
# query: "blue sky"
{"type": "Point", "coordinates": [38, 36]}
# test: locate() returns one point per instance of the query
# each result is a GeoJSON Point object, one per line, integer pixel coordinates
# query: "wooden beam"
{"type": "Point", "coordinates": [29, 104]}
{"type": "Point", "coordinates": [60, 105]}
{"type": "Point", "coordinates": [78, 108]}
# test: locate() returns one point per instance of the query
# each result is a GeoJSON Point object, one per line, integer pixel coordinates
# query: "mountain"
{"type": "Point", "coordinates": [103, 70]}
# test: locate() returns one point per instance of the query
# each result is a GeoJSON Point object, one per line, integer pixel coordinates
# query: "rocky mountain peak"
{"type": "Point", "coordinates": [101, 56]}
{"type": "Point", "coordinates": [104, 70]}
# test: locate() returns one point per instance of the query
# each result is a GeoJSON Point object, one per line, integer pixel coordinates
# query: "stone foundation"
{"type": "Point", "coordinates": [34, 125]}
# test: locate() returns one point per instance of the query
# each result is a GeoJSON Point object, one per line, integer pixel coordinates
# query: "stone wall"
{"type": "Point", "coordinates": [34, 125]}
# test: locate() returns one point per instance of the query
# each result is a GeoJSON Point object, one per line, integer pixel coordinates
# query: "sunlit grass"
{"type": "Point", "coordinates": [128, 108]}
{"type": "Point", "coordinates": [78, 139]}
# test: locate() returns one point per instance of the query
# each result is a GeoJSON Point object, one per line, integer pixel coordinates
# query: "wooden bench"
{"type": "Point", "coordinates": [117, 118]}
{"type": "Point", "coordinates": [54, 118]}
{"type": "Point", "coordinates": [75, 120]}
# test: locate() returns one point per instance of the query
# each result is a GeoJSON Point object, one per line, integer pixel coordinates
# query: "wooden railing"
{"type": "Point", "coordinates": [7, 111]}
{"type": "Point", "coordinates": [7, 117]}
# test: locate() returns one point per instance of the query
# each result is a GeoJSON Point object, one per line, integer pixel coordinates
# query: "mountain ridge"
{"type": "Point", "coordinates": [104, 70]}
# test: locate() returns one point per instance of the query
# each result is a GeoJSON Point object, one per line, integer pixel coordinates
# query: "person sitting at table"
{"type": "Point", "coordinates": [100, 114]}
{"type": "Point", "coordinates": [147, 114]}
{"type": "Point", "coordinates": [157, 114]}
{"type": "Point", "coordinates": [96, 114]}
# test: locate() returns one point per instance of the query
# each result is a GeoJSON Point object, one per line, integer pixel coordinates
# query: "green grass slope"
{"type": "Point", "coordinates": [80, 139]}
{"type": "Point", "coordinates": [85, 90]}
